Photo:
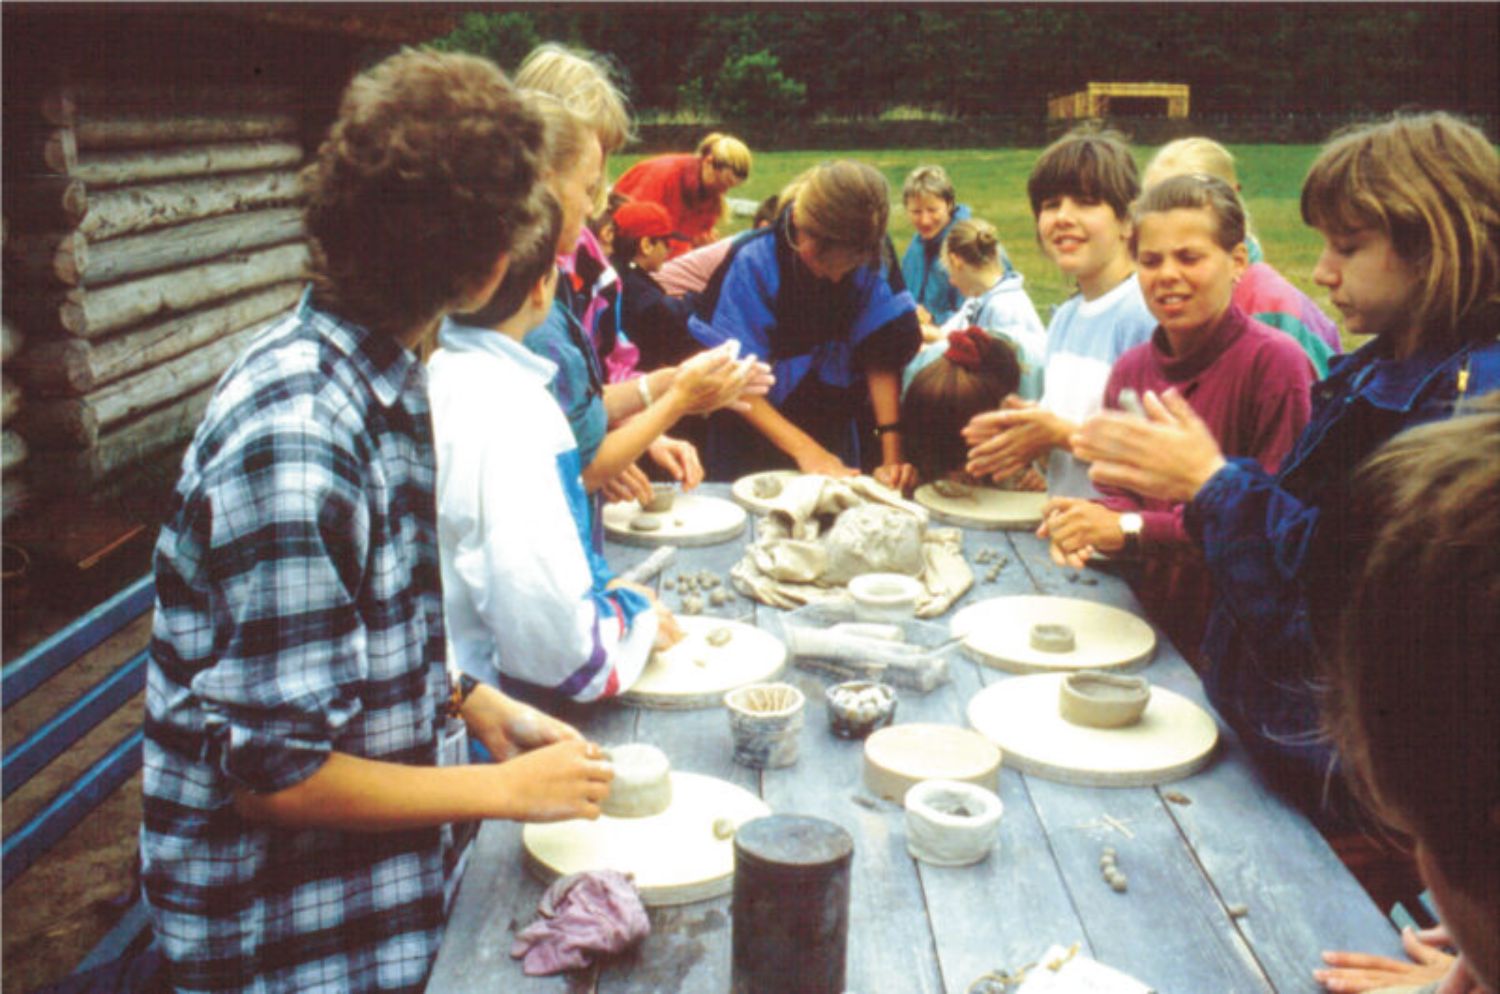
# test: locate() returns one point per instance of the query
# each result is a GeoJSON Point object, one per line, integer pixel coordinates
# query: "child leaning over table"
{"type": "Point", "coordinates": [527, 598]}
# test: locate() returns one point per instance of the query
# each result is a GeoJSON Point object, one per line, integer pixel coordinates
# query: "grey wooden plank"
{"type": "Point", "coordinates": [1169, 929]}
{"type": "Point", "coordinates": [1261, 853]}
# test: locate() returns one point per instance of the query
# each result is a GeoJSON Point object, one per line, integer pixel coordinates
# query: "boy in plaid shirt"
{"type": "Point", "coordinates": [302, 727]}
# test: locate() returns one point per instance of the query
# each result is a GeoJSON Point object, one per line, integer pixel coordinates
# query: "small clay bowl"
{"type": "Point", "coordinates": [661, 499]}
{"type": "Point", "coordinates": [643, 782]}
{"type": "Point", "coordinates": [1103, 700]}
{"type": "Point", "coordinates": [885, 596]}
{"type": "Point", "coordinates": [859, 707]}
{"type": "Point", "coordinates": [951, 823]}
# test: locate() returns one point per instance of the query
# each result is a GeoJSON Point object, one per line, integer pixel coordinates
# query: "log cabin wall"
{"type": "Point", "coordinates": [151, 224]}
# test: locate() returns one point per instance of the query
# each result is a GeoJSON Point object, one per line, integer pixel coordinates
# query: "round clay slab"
{"type": "Point", "coordinates": [743, 490]}
{"type": "Point", "coordinates": [705, 521]}
{"type": "Point", "coordinates": [675, 857]}
{"type": "Point", "coordinates": [997, 633]}
{"type": "Point", "coordinates": [898, 757]}
{"type": "Point", "coordinates": [1173, 739]}
{"type": "Point", "coordinates": [988, 509]}
{"type": "Point", "coordinates": [674, 678]}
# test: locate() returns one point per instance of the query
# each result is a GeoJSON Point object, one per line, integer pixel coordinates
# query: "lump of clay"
{"type": "Point", "coordinates": [873, 538]}
{"type": "Point", "coordinates": [952, 490]}
{"type": "Point", "coordinates": [661, 500]}
{"type": "Point", "coordinates": [645, 523]}
{"type": "Point", "coordinates": [642, 785]}
{"type": "Point", "coordinates": [766, 487]}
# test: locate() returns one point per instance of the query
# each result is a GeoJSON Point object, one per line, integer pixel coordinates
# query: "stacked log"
{"type": "Point", "coordinates": [151, 233]}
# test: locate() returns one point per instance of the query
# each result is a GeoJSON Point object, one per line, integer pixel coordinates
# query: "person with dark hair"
{"type": "Point", "coordinates": [818, 294]}
{"type": "Point", "coordinates": [1250, 384]}
{"type": "Point", "coordinates": [1080, 192]}
{"type": "Point", "coordinates": [306, 810]}
{"type": "Point", "coordinates": [1409, 210]}
{"type": "Point", "coordinates": [1412, 682]}
{"type": "Point", "coordinates": [656, 322]}
{"type": "Point", "coordinates": [975, 373]}
{"type": "Point", "coordinates": [527, 597]}
{"type": "Point", "coordinates": [690, 272]}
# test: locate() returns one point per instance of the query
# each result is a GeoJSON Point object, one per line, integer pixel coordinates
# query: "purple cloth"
{"type": "Point", "coordinates": [598, 911]}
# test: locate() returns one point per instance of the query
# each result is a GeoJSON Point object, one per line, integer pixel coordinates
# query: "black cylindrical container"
{"type": "Point", "coordinates": [791, 905]}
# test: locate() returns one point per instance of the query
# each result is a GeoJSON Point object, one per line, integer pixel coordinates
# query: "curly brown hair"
{"type": "Point", "coordinates": [425, 180]}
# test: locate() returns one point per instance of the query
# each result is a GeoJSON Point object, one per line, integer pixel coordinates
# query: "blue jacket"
{"type": "Point", "coordinates": [925, 275]}
{"type": "Point", "coordinates": [1258, 532]}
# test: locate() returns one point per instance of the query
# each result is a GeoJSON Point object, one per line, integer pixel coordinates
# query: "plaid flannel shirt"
{"type": "Point", "coordinates": [299, 612]}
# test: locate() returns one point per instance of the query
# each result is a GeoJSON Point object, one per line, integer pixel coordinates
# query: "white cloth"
{"type": "Point", "coordinates": [1083, 342]}
{"type": "Point", "coordinates": [792, 561]}
{"type": "Point", "coordinates": [523, 593]}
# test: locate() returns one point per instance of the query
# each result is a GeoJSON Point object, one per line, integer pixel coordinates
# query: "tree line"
{"type": "Point", "coordinates": [860, 60]}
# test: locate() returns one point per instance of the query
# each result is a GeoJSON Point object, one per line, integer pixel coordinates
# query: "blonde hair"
{"type": "Point", "coordinates": [1431, 183]}
{"type": "Point", "coordinates": [726, 149]}
{"type": "Point", "coordinates": [584, 81]}
{"type": "Point", "coordinates": [844, 206]}
{"type": "Point", "coordinates": [1192, 155]}
{"type": "Point", "coordinates": [565, 134]}
{"type": "Point", "coordinates": [931, 180]}
{"type": "Point", "coordinates": [974, 241]}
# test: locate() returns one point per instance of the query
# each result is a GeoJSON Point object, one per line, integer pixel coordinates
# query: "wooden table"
{"type": "Point", "coordinates": [916, 929]}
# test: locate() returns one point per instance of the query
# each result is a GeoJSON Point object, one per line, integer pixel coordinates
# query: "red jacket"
{"type": "Point", "coordinates": [675, 182]}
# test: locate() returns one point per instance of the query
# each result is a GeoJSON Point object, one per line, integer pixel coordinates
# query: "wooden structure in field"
{"type": "Point", "coordinates": [1099, 100]}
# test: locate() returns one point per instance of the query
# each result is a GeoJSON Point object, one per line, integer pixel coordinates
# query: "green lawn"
{"type": "Point", "coordinates": [993, 184]}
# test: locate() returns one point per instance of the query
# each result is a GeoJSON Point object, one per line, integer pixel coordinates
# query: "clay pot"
{"type": "Point", "coordinates": [885, 596]}
{"type": "Point", "coordinates": [643, 782]}
{"type": "Point", "coordinates": [661, 500]}
{"type": "Point", "coordinates": [859, 707]}
{"type": "Point", "coordinates": [765, 724]}
{"type": "Point", "coordinates": [1103, 700]}
{"type": "Point", "coordinates": [951, 823]}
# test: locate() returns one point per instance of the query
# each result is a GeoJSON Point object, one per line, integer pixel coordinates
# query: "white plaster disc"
{"type": "Point", "coordinates": [1173, 739]}
{"type": "Point", "coordinates": [675, 857]}
{"type": "Point", "coordinates": [988, 509]}
{"type": "Point", "coordinates": [743, 490]}
{"type": "Point", "coordinates": [997, 633]}
{"type": "Point", "coordinates": [901, 756]}
{"type": "Point", "coordinates": [695, 519]}
{"type": "Point", "coordinates": [674, 678]}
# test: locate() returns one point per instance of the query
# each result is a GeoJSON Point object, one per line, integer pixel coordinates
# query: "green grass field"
{"type": "Point", "coordinates": [993, 184]}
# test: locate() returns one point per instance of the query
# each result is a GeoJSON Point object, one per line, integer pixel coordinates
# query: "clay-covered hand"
{"type": "Point", "coordinates": [1351, 973]}
{"type": "Point", "coordinates": [899, 476]}
{"type": "Point", "coordinates": [1169, 455]}
{"type": "Point", "coordinates": [564, 780]}
{"type": "Point", "coordinates": [507, 727]}
{"type": "Point", "coordinates": [1002, 443]}
{"type": "Point", "coordinates": [1079, 528]}
{"type": "Point", "coordinates": [824, 463]}
{"type": "Point", "coordinates": [715, 379]}
{"type": "Point", "coordinates": [678, 458]}
{"type": "Point", "coordinates": [630, 484]}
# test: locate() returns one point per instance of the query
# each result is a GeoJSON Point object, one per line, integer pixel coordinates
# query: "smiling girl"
{"type": "Point", "coordinates": [1409, 211]}
{"type": "Point", "coordinates": [1249, 383]}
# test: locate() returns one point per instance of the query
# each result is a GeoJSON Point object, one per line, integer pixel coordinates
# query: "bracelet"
{"type": "Point", "coordinates": [462, 688]}
{"type": "Point", "coordinates": [644, 389]}
{"type": "Point", "coordinates": [893, 428]}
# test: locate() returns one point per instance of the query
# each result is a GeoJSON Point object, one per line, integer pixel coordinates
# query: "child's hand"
{"type": "Point", "coordinates": [630, 484]}
{"type": "Point", "coordinates": [508, 727]}
{"type": "Point", "coordinates": [554, 783]}
{"type": "Point", "coordinates": [1169, 457]}
{"type": "Point", "coordinates": [901, 476]}
{"type": "Point", "coordinates": [678, 458]}
{"type": "Point", "coordinates": [1079, 528]}
{"type": "Point", "coordinates": [714, 379]}
{"type": "Point", "coordinates": [824, 463]}
{"type": "Point", "coordinates": [1357, 972]}
{"type": "Point", "coordinates": [1002, 443]}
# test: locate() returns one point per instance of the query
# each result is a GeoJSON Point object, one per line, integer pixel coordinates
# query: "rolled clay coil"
{"type": "Point", "coordinates": [642, 786]}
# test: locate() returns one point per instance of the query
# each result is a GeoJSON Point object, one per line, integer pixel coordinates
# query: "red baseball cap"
{"type": "Point", "coordinates": [641, 219]}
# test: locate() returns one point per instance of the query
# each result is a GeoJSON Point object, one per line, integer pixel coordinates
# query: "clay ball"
{"type": "Point", "coordinates": [645, 523]}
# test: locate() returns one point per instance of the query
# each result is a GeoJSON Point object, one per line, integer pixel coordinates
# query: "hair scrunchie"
{"type": "Point", "coordinates": [966, 347]}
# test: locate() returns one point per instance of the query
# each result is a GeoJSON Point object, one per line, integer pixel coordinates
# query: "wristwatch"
{"type": "Point", "coordinates": [1130, 526]}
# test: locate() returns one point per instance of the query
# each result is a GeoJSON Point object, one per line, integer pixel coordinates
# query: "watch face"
{"type": "Point", "coordinates": [1130, 523]}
